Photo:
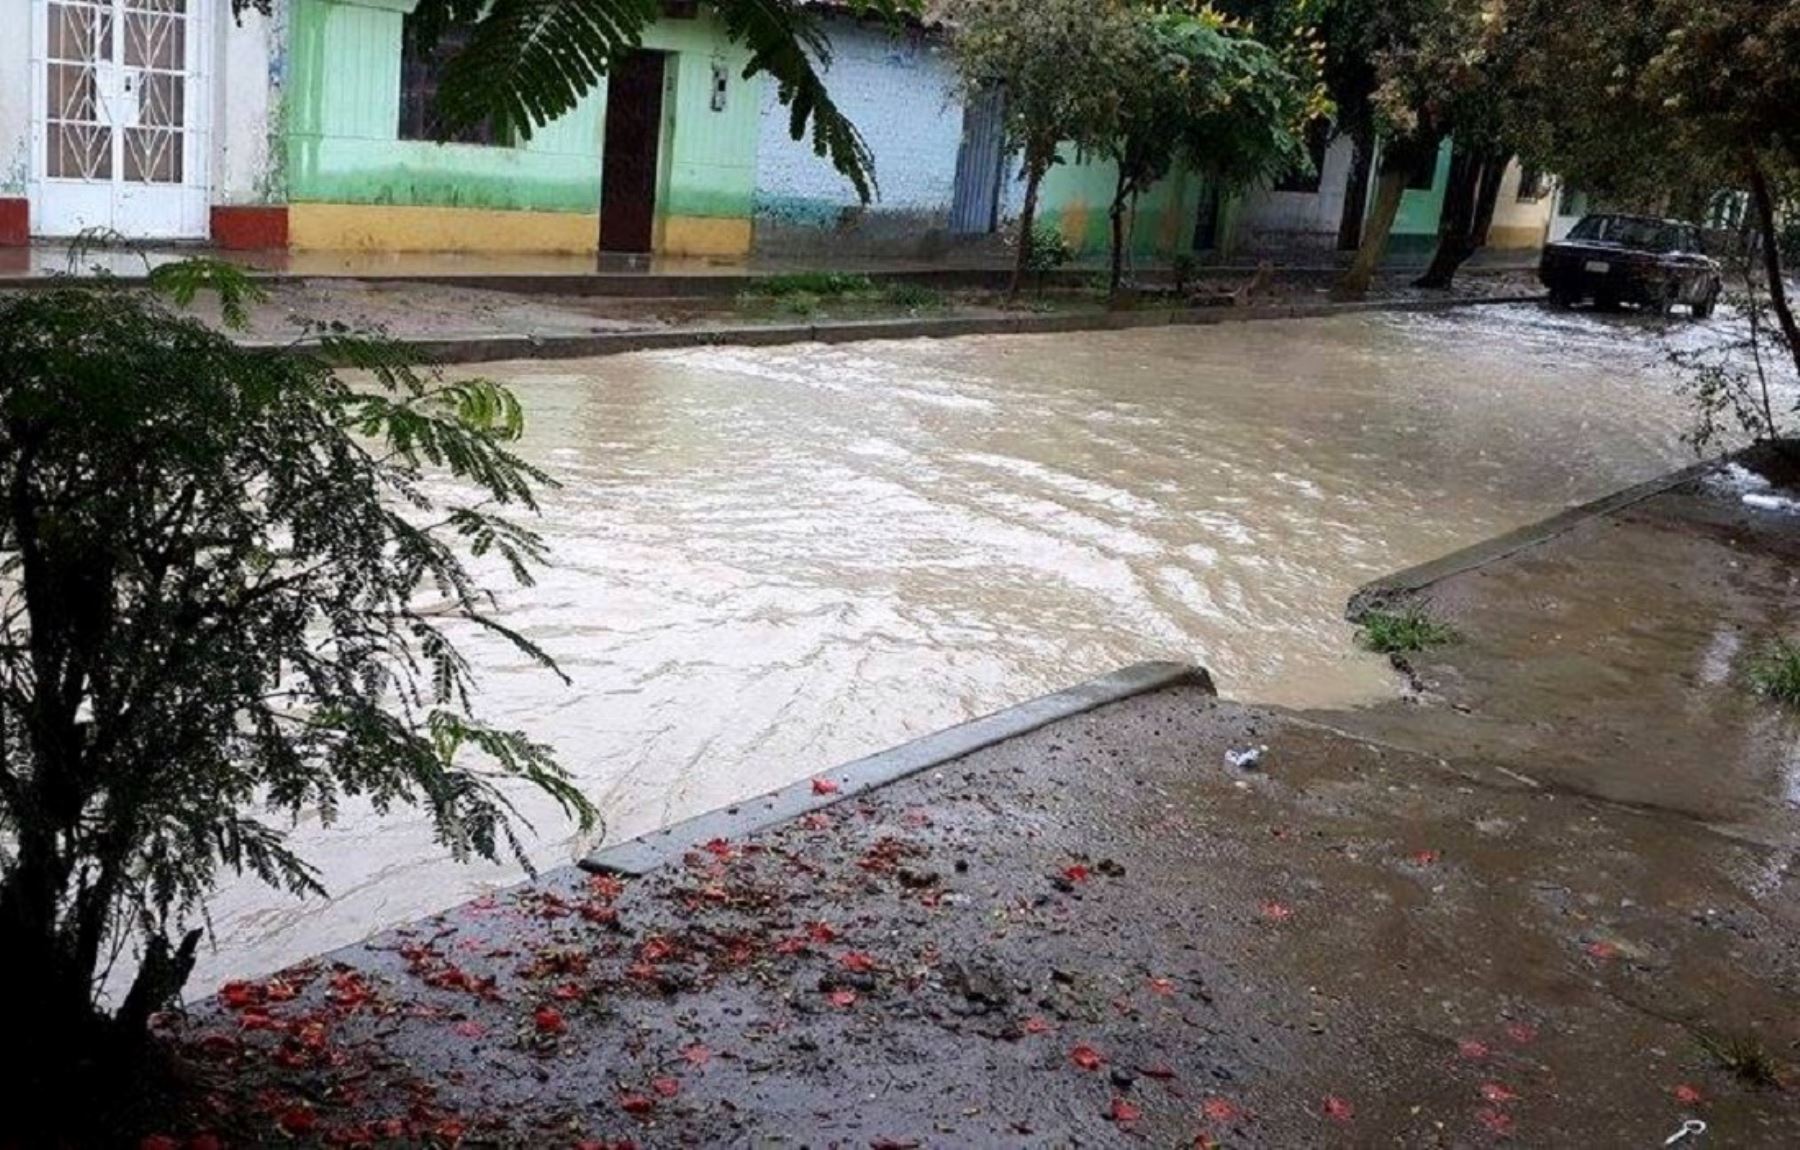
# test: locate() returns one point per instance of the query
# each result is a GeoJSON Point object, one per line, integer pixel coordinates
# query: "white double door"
{"type": "Point", "coordinates": [119, 117]}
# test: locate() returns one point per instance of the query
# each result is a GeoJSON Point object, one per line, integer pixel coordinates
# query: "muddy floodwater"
{"type": "Point", "coordinates": [771, 560]}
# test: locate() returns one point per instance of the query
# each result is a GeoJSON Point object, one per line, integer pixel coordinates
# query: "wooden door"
{"type": "Point", "coordinates": [634, 93]}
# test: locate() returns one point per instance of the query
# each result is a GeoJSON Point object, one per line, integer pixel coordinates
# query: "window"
{"type": "Point", "coordinates": [1632, 232]}
{"type": "Point", "coordinates": [1534, 185]}
{"type": "Point", "coordinates": [1318, 139]}
{"type": "Point", "coordinates": [420, 73]}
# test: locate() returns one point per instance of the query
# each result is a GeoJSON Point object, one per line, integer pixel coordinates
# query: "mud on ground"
{"type": "Point", "coordinates": [1548, 901]}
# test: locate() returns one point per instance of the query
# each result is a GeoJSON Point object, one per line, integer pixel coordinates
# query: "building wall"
{"type": "Point", "coordinates": [15, 127]}
{"type": "Point", "coordinates": [1520, 224]}
{"type": "Point", "coordinates": [1415, 227]}
{"type": "Point", "coordinates": [1267, 221]}
{"type": "Point", "coordinates": [1076, 197]}
{"type": "Point", "coordinates": [249, 161]}
{"type": "Point", "coordinates": [899, 89]}
{"type": "Point", "coordinates": [352, 183]}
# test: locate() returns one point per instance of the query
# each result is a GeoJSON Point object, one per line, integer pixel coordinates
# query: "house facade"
{"type": "Point", "coordinates": [312, 129]}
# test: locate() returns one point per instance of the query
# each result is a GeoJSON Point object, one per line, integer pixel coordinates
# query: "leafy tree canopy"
{"type": "Point", "coordinates": [230, 593]}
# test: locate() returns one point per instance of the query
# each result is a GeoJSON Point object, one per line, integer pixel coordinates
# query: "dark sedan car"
{"type": "Point", "coordinates": [1615, 259]}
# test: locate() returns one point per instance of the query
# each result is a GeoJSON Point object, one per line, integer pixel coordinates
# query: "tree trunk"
{"type": "Point", "coordinates": [1771, 245]}
{"type": "Point", "coordinates": [1356, 192]}
{"type": "Point", "coordinates": [1487, 196]}
{"type": "Point", "coordinates": [1118, 237]}
{"type": "Point", "coordinates": [1455, 220]}
{"type": "Point", "coordinates": [1392, 186]}
{"type": "Point", "coordinates": [1035, 167]}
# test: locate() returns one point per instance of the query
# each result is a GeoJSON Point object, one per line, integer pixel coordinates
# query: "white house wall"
{"type": "Point", "coordinates": [899, 89]}
{"type": "Point", "coordinates": [249, 62]}
{"type": "Point", "coordinates": [15, 99]}
{"type": "Point", "coordinates": [1273, 221]}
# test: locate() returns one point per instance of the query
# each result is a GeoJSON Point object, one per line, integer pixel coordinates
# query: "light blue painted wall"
{"type": "Point", "coordinates": [898, 88]}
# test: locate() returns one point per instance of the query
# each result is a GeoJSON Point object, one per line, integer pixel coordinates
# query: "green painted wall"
{"type": "Point", "coordinates": [1415, 227]}
{"type": "Point", "coordinates": [343, 107]}
{"type": "Point", "coordinates": [1077, 195]}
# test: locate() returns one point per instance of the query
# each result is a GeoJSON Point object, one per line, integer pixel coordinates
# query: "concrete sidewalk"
{"type": "Point", "coordinates": [626, 276]}
{"type": "Point", "coordinates": [450, 324]}
{"type": "Point", "coordinates": [1546, 899]}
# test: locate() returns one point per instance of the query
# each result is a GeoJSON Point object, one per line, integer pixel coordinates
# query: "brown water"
{"type": "Point", "coordinates": [773, 560]}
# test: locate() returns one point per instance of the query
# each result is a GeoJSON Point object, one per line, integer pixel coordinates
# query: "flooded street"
{"type": "Point", "coordinates": [771, 560]}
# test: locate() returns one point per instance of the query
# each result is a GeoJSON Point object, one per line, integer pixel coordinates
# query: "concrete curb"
{"type": "Point", "coordinates": [658, 848]}
{"type": "Point", "coordinates": [489, 349]}
{"type": "Point", "coordinates": [1403, 584]}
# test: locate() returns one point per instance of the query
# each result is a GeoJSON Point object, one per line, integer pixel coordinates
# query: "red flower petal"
{"type": "Point", "coordinates": [1601, 950]}
{"type": "Point", "coordinates": [843, 998]}
{"type": "Point", "coordinates": [1123, 1112]}
{"type": "Point", "coordinates": [1424, 858]}
{"type": "Point", "coordinates": [1497, 1092]}
{"type": "Point", "coordinates": [1276, 911]}
{"type": "Point", "coordinates": [1337, 1109]}
{"type": "Point", "coordinates": [858, 961]}
{"type": "Point", "coordinates": [636, 1103]}
{"type": "Point", "coordinates": [1086, 1057]}
{"type": "Point", "coordinates": [667, 1087]}
{"type": "Point", "coordinates": [549, 1020]}
{"type": "Point", "coordinates": [821, 932]}
{"type": "Point", "coordinates": [1522, 1033]}
{"type": "Point", "coordinates": [1163, 985]}
{"type": "Point", "coordinates": [824, 787]}
{"type": "Point", "coordinates": [1036, 1025]}
{"type": "Point", "coordinates": [1472, 1049]}
{"type": "Point", "coordinates": [696, 1054]}
{"type": "Point", "coordinates": [1220, 1110]}
{"type": "Point", "coordinates": [1688, 1095]}
{"type": "Point", "coordinates": [298, 1120]}
{"type": "Point", "coordinates": [158, 1142]}
{"type": "Point", "coordinates": [1496, 1121]}
{"type": "Point", "coordinates": [469, 1029]}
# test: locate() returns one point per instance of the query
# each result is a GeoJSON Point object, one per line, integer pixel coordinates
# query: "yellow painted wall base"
{"type": "Point", "coordinates": [1514, 238]}
{"type": "Point", "coordinates": [392, 228]}
{"type": "Point", "coordinates": [704, 236]}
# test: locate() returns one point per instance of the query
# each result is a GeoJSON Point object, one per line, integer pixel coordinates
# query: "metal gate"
{"type": "Point", "coordinates": [118, 117]}
{"type": "Point", "coordinates": [980, 165]}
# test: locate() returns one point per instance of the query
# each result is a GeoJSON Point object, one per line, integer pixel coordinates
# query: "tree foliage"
{"type": "Point", "coordinates": [230, 594]}
{"type": "Point", "coordinates": [1201, 91]}
{"type": "Point", "coordinates": [1664, 102]}
{"type": "Point", "coordinates": [528, 62]}
{"type": "Point", "coordinates": [1061, 63]}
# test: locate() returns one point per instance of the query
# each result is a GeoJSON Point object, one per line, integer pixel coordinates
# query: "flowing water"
{"type": "Point", "coordinates": [772, 560]}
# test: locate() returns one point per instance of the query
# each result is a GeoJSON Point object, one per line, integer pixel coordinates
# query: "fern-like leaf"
{"type": "Point", "coordinates": [528, 62]}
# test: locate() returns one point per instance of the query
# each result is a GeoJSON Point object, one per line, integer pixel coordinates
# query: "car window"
{"type": "Point", "coordinates": [1627, 232]}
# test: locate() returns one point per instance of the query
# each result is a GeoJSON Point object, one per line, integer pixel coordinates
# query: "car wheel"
{"type": "Point", "coordinates": [1561, 299]}
{"type": "Point", "coordinates": [1703, 307]}
{"type": "Point", "coordinates": [1671, 295]}
{"type": "Point", "coordinates": [1606, 303]}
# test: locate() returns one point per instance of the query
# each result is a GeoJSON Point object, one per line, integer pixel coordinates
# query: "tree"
{"type": "Point", "coordinates": [1062, 64]}
{"type": "Point", "coordinates": [528, 62]}
{"type": "Point", "coordinates": [1643, 99]}
{"type": "Point", "coordinates": [228, 597]}
{"type": "Point", "coordinates": [1466, 67]}
{"type": "Point", "coordinates": [1370, 47]}
{"type": "Point", "coordinates": [1202, 91]}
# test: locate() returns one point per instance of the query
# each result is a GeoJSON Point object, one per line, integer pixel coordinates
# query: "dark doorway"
{"type": "Point", "coordinates": [1206, 218]}
{"type": "Point", "coordinates": [634, 94]}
